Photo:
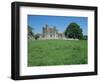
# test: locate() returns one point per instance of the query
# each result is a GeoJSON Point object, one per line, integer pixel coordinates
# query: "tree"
{"type": "Point", "coordinates": [74, 31]}
{"type": "Point", "coordinates": [36, 37]}
{"type": "Point", "coordinates": [85, 37]}
{"type": "Point", "coordinates": [30, 32]}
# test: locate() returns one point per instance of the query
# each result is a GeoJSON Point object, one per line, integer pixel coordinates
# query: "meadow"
{"type": "Point", "coordinates": [57, 52]}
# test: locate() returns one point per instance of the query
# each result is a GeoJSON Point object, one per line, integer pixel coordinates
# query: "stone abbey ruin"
{"type": "Point", "coordinates": [51, 33]}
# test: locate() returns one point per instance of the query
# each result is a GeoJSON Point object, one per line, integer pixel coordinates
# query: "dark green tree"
{"type": "Point", "coordinates": [30, 32]}
{"type": "Point", "coordinates": [36, 37]}
{"type": "Point", "coordinates": [85, 37]}
{"type": "Point", "coordinates": [74, 31]}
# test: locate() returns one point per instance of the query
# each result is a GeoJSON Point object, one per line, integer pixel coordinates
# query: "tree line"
{"type": "Point", "coordinates": [72, 31]}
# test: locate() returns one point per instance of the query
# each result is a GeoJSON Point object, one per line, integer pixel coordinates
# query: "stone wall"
{"type": "Point", "coordinates": [51, 33]}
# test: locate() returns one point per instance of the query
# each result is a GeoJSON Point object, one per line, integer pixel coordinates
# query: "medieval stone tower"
{"type": "Point", "coordinates": [51, 33]}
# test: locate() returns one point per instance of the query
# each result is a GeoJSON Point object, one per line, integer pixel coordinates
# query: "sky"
{"type": "Point", "coordinates": [61, 22]}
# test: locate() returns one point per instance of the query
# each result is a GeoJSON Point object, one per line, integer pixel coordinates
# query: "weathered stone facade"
{"type": "Point", "coordinates": [51, 33]}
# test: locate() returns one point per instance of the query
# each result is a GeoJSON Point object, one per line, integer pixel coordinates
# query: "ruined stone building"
{"type": "Point", "coordinates": [51, 33]}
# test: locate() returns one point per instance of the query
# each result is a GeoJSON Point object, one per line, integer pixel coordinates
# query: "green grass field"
{"type": "Point", "coordinates": [57, 52]}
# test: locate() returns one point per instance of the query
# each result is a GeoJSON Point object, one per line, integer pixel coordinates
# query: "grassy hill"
{"type": "Point", "coordinates": [57, 52]}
